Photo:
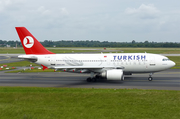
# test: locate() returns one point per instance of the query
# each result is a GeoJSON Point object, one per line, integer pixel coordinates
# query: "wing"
{"type": "Point", "coordinates": [84, 69]}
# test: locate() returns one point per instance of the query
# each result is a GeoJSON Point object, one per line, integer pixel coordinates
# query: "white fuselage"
{"type": "Point", "coordinates": [129, 62]}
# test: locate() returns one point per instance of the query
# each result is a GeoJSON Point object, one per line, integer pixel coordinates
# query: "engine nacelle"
{"type": "Point", "coordinates": [113, 74]}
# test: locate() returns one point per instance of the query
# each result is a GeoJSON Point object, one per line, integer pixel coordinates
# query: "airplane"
{"type": "Point", "coordinates": [112, 66]}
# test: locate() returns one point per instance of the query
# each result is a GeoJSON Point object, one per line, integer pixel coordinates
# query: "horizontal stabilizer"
{"type": "Point", "coordinates": [28, 57]}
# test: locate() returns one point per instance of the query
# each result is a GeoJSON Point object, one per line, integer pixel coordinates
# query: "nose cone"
{"type": "Point", "coordinates": [172, 64]}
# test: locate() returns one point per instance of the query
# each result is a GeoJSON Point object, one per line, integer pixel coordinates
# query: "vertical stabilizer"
{"type": "Point", "coordinates": [30, 44]}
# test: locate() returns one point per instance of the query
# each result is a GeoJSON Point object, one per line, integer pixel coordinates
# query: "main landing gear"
{"type": "Point", "coordinates": [150, 77]}
{"type": "Point", "coordinates": [91, 79]}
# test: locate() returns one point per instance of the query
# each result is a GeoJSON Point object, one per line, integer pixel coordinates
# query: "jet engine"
{"type": "Point", "coordinates": [113, 74]}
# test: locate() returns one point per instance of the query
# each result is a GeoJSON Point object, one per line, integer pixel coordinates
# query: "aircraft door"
{"type": "Point", "coordinates": [152, 61]}
{"type": "Point", "coordinates": [146, 63]}
{"type": "Point", "coordinates": [53, 60]}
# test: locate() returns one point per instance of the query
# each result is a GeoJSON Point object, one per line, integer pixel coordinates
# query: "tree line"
{"type": "Point", "coordinates": [91, 43]}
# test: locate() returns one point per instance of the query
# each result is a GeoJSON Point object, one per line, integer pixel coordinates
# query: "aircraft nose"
{"type": "Point", "coordinates": [172, 64]}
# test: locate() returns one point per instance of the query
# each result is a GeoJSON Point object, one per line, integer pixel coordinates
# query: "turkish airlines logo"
{"type": "Point", "coordinates": [28, 41]}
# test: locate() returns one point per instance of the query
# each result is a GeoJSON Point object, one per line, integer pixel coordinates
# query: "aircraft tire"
{"type": "Point", "coordinates": [89, 79]}
{"type": "Point", "coordinates": [122, 79]}
{"type": "Point", "coordinates": [94, 79]}
{"type": "Point", "coordinates": [150, 78]}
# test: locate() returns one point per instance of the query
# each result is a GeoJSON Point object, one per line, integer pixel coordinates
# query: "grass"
{"type": "Point", "coordinates": [31, 71]}
{"type": "Point", "coordinates": [95, 49]}
{"type": "Point", "coordinates": [152, 50]}
{"type": "Point", "coordinates": [11, 50]}
{"type": "Point", "coordinates": [72, 103]}
{"type": "Point", "coordinates": [19, 64]}
{"type": "Point", "coordinates": [7, 68]}
{"type": "Point", "coordinates": [55, 50]}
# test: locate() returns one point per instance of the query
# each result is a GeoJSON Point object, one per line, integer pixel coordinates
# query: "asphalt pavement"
{"type": "Point", "coordinates": [165, 80]}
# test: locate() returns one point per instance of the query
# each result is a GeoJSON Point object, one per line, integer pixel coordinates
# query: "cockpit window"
{"type": "Point", "coordinates": [165, 60]}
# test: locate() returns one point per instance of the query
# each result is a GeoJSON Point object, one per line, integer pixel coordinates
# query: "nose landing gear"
{"type": "Point", "coordinates": [150, 77]}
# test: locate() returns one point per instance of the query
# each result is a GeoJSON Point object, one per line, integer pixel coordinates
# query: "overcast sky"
{"type": "Point", "coordinates": [102, 20]}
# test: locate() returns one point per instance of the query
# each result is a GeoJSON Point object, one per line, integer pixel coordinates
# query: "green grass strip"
{"type": "Point", "coordinates": [19, 64]}
{"type": "Point", "coordinates": [32, 71]}
{"type": "Point", "coordinates": [77, 103]}
{"type": "Point", "coordinates": [96, 49]}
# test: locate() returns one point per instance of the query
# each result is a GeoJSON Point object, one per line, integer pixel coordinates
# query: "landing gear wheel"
{"type": "Point", "coordinates": [122, 79]}
{"type": "Point", "coordinates": [93, 79]}
{"type": "Point", "coordinates": [89, 79]}
{"type": "Point", "coordinates": [150, 78]}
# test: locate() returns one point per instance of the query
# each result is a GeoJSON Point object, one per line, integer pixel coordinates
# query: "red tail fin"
{"type": "Point", "coordinates": [30, 44]}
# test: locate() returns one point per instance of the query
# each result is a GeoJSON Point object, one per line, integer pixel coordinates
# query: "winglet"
{"type": "Point", "coordinates": [30, 44]}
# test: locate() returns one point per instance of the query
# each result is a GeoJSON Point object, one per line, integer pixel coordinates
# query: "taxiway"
{"type": "Point", "coordinates": [165, 80]}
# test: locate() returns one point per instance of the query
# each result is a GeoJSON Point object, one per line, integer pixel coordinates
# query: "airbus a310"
{"type": "Point", "coordinates": [111, 66]}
